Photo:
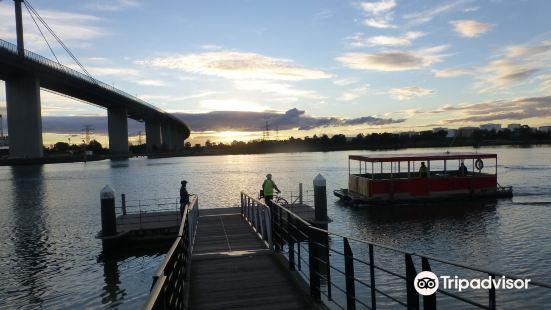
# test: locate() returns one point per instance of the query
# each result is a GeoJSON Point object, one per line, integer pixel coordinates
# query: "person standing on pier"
{"type": "Point", "coordinates": [184, 197]}
{"type": "Point", "coordinates": [268, 189]}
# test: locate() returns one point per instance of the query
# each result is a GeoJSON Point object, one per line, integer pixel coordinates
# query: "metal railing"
{"type": "Point", "coordinates": [136, 212]}
{"type": "Point", "coordinates": [171, 281]}
{"type": "Point", "coordinates": [346, 272]}
{"type": "Point", "coordinates": [12, 48]}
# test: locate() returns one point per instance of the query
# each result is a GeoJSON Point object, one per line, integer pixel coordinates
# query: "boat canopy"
{"type": "Point", "coordinates": [420, 156]}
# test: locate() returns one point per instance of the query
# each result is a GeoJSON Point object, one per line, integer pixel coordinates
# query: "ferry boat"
{"type": "Point", "coordinates": [390, 178]}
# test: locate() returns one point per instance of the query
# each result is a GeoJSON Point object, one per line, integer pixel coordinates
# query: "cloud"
{"type": "Point", "coordinates": [282, 89]}
{"type": "Point", "coordinates": [256, 121]}
{"type": "Point", "coordinates": [359, 40]}
{"type": "Point", "coordinates": [470, 28]}
{"type": "Point", "coordinates": [499, 110]}
{"type": "Point", "coordinates": [502, 74]}
{"type": "Point", "coordinates": [448, 73]}
{"type": "Point", "coordinates": [345, 81]}
{"type": "Point", "coordinates": [378, 14]}
{"type": "Point", "coordinates": [231, 105]}
{"type": "Point", "coordinates": [517, 64]}
{"type": "Point", "coordinates": [355, 93]}
{"type": "Point", "coordinates": [429, 14]}
{"type": "Point", "coordinates": [211, 47]}
{"type": "Point", "coordinates": [237, 65]}
{"type": "Point", "coordinates": [75, 29]}
{"type": "Point", "coordinates": [408, 93]}
{"type": "Point", "coordinates": [151, 82]}
{"type": "Point", "coordinates": [112, 5]}
{"type": "Point", "coordinates": [516, 51]}
{"type": "Point", "coordinates": [545, 86]}
{"type": "Point", "coordinates": [393, 60]}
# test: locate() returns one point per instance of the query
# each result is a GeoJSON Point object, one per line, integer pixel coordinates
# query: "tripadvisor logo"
{"type": "Point", "coordinates": [426, 283]}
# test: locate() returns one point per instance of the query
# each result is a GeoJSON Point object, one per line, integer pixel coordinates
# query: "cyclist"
{"type": "Point", "coordinates": [268, 189]}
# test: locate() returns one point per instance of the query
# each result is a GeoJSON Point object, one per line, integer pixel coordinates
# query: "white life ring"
{"type": "Point", "coordinates": [479, 164]}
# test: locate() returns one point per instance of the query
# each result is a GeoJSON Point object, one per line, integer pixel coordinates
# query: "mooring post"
{"type": "Point", "coordinates": [321, 220]}
{"type": "Point", "coordinates": [108, 217]}
{"type": "Point", "coordinates": [300, 199]}
{"type": "Point", "coordinates": [123, 204]}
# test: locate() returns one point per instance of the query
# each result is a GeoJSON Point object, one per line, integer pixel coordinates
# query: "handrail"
{"type": "Point", "coordinates": [171, 280]}
{"type": "Point", "coordinates": [290, 232]}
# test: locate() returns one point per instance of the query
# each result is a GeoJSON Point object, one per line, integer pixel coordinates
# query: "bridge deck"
{"type": "Point", "coordinates": [232, 268]}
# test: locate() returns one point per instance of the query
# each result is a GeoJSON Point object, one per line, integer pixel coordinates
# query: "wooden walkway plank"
{"type": "Point", "coordinates": [232, 268]}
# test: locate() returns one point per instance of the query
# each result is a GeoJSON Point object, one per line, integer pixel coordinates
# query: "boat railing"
{"type": "Point", "coordinates": [433, 174]}
{"type": "Point", "coordinates": [345, 272]}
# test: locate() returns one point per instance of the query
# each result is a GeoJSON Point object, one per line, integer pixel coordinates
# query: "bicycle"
{"type": "Point", "coordinates": [276, 198]}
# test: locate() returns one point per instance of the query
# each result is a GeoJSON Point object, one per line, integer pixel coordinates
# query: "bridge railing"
{"type": "Point", "coordinates": [170, 282]}
{"type": "Point", "coordinates": [12, 48]}
{"type": "Point", "coordinates": [346, 272]}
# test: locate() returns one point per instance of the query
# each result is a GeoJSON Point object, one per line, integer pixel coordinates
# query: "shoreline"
{"type": "Point", "coordinates": [268, 149]}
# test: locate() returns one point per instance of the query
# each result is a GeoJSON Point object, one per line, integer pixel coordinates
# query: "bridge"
{"type": "Point", "coordinates": [25, 72]}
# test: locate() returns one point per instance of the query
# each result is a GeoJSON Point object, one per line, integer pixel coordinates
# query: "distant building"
{"type": "Point", "coordinates": [409, 133]}
{"type": "Point", "coordinates": [490, 127]}
{"type": "Point", "coordinates": [546, 129]}
{"type": "Point", "coordinates": [513, 127]}
{"type": "Point", "coordinates": [466, 132]}
{"type": "Point", "coordinates": [451, 133]}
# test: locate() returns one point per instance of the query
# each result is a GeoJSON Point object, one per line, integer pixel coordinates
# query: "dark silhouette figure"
{"type": "Point", "coordinates": [184, 197]}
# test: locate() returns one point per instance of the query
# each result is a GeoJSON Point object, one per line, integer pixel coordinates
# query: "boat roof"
{"type": "Point", "coordinates": [420, 156]}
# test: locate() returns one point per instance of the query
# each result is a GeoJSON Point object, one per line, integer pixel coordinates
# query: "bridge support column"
{"type": "Point", "coordinates": [166, 135]}
{"type": "Point", "coordinates": [152, 135]}
{"type": "Point", "coordinates": [117, 125]}
{"type": "Point", "coordinates": [177, 140]}
{"type": "Point", "coordinates": [24, 117]}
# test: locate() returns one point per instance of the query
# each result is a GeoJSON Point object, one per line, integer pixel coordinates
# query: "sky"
{"type": "Point", "coordinates": [304, 67]}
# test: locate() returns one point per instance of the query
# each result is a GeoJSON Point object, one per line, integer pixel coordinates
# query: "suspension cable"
{"type": "Point", "coordinates": [56, 37]}
{"type": "Point", "coordinates": [40, 30]}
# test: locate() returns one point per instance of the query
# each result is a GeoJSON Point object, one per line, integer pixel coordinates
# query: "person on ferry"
{"type": "Point", "coordinates": [462, 170]}
{"type": "Point", "coordinates": [423, 171]}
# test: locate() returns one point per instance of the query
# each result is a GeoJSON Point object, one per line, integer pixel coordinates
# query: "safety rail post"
{"type": "Point", "coordinates": [349, 274]}
{"type": "Point", "coordinates": [313, 263]}
{"type": "Point", "coordinates": [300, 197]}
{"type": "Point", "coordinates": [429, 302]}
{"type": "Point", "coordinates": [123, 204]}
{"type": "Point", "coordinates": [372, 277]}
{"type": "Point", "coordinates": [492, 294]}
{"type": "Point", "coordinates": [412, 295]}
{"type": "Point", "coordinates": [290, 243]}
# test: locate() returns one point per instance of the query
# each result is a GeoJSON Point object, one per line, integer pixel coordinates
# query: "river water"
{"type": "Point", "coordinates": [50, 214]}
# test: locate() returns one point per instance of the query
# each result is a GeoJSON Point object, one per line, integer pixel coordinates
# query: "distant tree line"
{"type": "Point", "coordinates": [428, 138]}
{"type": "Point", "coordinates": [479, 137]}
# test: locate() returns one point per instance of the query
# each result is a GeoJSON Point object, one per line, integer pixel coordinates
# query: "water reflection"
{"type": "Point", "coordinates": [31, 234]}
{"type": "Point", "coordinates": [112, 293]}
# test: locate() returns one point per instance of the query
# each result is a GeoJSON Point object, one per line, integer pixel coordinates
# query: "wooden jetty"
{"type": "Point", "coordinates": [232, 267]}
{"type": "Point", "coordinates": [262, 256]}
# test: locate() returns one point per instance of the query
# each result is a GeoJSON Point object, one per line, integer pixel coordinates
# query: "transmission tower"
{"type": "Point", "coordinates": [266, 133]}
{"type": "Point", "coordinates": [140, 134]}
{"type": "Point", "coordinates": [1, 128]}
{"type": "Point", "coordinates": [88, 130]}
